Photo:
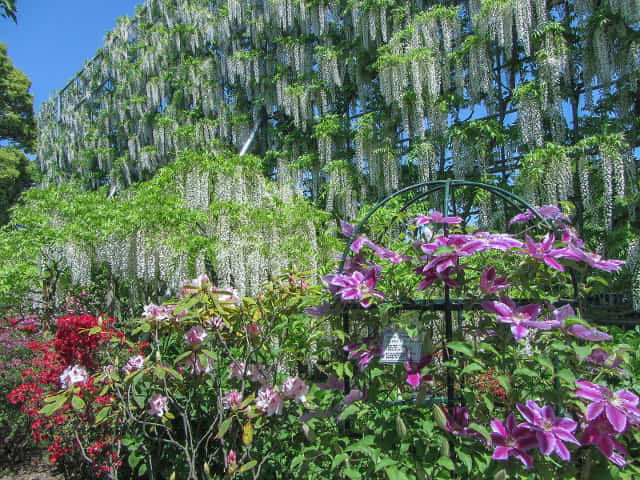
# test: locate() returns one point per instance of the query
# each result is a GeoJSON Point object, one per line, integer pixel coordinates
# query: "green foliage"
{"type": "Point", "coordinates": [8, 9]}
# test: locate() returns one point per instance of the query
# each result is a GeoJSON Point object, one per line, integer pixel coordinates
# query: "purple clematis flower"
{"type": "Point", "coordinates": [497, 241]}
{"type": "Point", "coordinates": [414, 370]}
{"type": "Point", "coordinates": [458, 423]}
{"type": "Point", "coordinates": [606, 360]}
{"type": "Point", "coordinates": [436, 217]}
{"type": "Point", "coordinates": [320, 311]}
{"type": "Point", "coordinates": [432, 275]}
{"type": "Point", "coordinates": [490, 284]}
{"type": "Point", "coordinates": [544, 251]}
{"type": "Point", "coordinates": [550, 212]}
{"type": "Point", "coordinates": [356, 286]}
{"type": "Point", "coordinates": [577, 330]}
{"type": "Point", "coordinates": [365, 351]}
{"type": "Point", "coordinates": [512, 441]}
{"type": "Point", "coordinates": [620, 408]}
{"type": "Point", "coordinates": [574, 252]}
{"type": "Point", "coordinates": [551, 432]}
{"type": "Point", "coordinates": [521, 319]}
{"type": "Point", "coordinates": [600, 433]}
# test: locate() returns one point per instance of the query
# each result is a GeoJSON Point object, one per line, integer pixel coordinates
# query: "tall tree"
{"type": "Point", "coordinates": [17, 132]}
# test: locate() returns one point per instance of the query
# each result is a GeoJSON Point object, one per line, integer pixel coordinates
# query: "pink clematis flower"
{"type": "Point", "coordinates": [521, 319]}
{"type": "Point", "coordinates": [490, 284]}
{"type": "Point", "coordinates": [577, 330]}
{"type": "Point", "coordinates": [512, 441]}
{"type": "Point", "coordinates": [600, 433]}
{"type": "Point", "coordinates": [620, 408]}
{"type": "Point", "coordinates": [594, 260]}
{"type": "Point", "coordinates": [551, 432]}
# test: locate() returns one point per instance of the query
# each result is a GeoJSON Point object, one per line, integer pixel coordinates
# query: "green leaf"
{"type": "Point", "coordinates": [394, 473]}
{"type": "Point", "coordinates": [338, 459]}
{"type": "Point", "coordinates": [461, 347]}
{"type": "Point", "coordinates": [527, 372]}
{"type": "Point", "coordinates": [247, 466]}
{"type": "Point", "coordinates": [350, 410]}
{"type": "Point", "coordinates": [487, 347]}
{"type": "Point", "coordinates": [352, 474]}
{"type": "Point", "coordinates": [471, 368]}
{"type": "Point", "coordinates": [503, 380]}
{"type": "Point", "coordinates": [545, 362]}
{"type": "Point", "coordinates": [384, 463]}
{"type": "Point", "coordinates": [224, 427]}
{"type": "Point", "coordinates": [447, 463]}
{"type": "Point", "coordinates": [481, 429]}
{"type": "Point", "coordinates": [465, 458]}
{"type": "Point", "coordinates": [568, 376]}
{"type": "Point", "coordinates": [102, 415]}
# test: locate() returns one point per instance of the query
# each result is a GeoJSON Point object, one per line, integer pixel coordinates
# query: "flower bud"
{"type": "Point", "coordinates": [206, 469]}
{"type": "Point", "coordinates": [401, 428]}
{"type": "Point", "coordinates": [158, 356]}
{"type": "Point", "coordinates": [173, 476]}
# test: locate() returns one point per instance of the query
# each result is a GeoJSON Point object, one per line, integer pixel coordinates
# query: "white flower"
{"type": "Point", "coordinates": [158, 406]}
{"type": "Point", "coordinates": [73, 375]}
{"type": "Point", "coordinates": [269, 401]}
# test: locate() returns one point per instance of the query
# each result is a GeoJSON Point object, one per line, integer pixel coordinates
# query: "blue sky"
{"type": "Point", "coordinates": [53, 38]}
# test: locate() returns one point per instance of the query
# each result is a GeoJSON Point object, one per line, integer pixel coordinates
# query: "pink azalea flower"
{"type": "Point", "coordinates": [600, 433]}
{"type": "Point", "coordinates": [294, 388]}
{"type": "Point", "coordinates": [158, 406]}
{"type": "Point", "coordinates": [490, 284]}
{"type": "Point", "coordinates": [512, 441]}
{"type": "Point", "coordinates": [521, 319]}
{"type": "Point", "coordinates": [72, 375]}
{"type": "Point", "coordinates": [196, 335]}
{"type": "Point", "coordinates": [544, 251]}
{"type": "Point", "coordinates": [620, 408]}
{"type": "Point", "coordinates": [269, 401]}
{"type": "Point", "coordinates": [232, 399]}
{"type": "Point", "coordinates": [551, 432]}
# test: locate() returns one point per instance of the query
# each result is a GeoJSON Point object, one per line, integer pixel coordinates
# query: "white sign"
{"type": "Point", "coordinates": [397, 346]}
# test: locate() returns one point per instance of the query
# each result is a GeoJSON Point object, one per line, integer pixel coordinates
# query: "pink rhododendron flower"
{"type": "Point", "coordinates": [195, 366]}
{"type": "Point", "coordinates": [134, 363]}
{"type": "Point", "coordinates": [620, 408]}
{"type": "Point", "coordinates": [236, 370]}
{"type": "Point", "coordinates": [600, 433]}
{"type": "Point", "coordinates": [269, 401]}
{"type": "Point", "coordinates": [72, 375]}
{"type": "Point", "coordinates": [231, 459]}
{"type": "Point", "coordinates": [252, 329]}
{"type": "Point", "coordinates": [232, 399]}
{"type": "Point", "coordinates": [512, 441]}
{"type": "Point", "coordinates": [196, 335]}
{"type": "Point", "coordinates": [160, 313]}
{"type": "Point", "coordinates": [521, 319]}
{"type": "Point", "coordinates": [158, 406]}
{"type": "Point", "coordinates": [490, 284]}
{"type": "Point", "coordinates": [551, 432]}
{"type": "Point", "coordinates": [199, 283]}
{"type": "Point", "coordinates": [294, 388]}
